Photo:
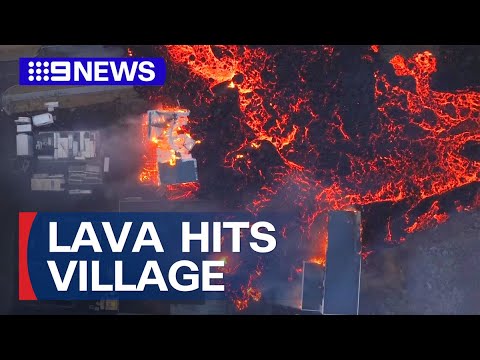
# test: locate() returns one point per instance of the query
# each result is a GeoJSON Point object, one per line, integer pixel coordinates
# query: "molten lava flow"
{"type": "Point", "coordinates": [185, 191]}
{"type": "Point", "coordinates": [248, 292]}
{"type": "Point", "coordinates": [319, 249]}
{"type": "Point", "coordinates": [149, 172]}
{"type": "Point", "coordinates": [296, 137]}
{"type": "Point", "coordinates": [444, 123]}
{"type": "Point", "coordinates": [160, 140]}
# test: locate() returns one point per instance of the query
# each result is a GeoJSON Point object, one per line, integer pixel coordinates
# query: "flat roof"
{"type": "Point", "coordinates": [343, 265]}
{"type": "Point", "coordinates": [312, 286]}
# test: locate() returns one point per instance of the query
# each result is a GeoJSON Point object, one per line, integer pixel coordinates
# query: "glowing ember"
{"type": "Point", "coordinates": [149, 172]}
{"type": "Point", "coordinates": [438, 166]}
{"type": "Point", "coordinates": [158, 148]}
{"type": "Point", "coordinates": [429, 219]}
{"type": "Point", "coordinates": [248, 292]}
{"type": "Point", "coordinates": [473, 206]}
{"type": "Point", "coordinates": [366, 254]}
{"type": "Point", "coordinates": [318, 260]}
{"type": "Point", "coordinates": [183, 191]}
{"type": "Point", "coordinates": [232, 264]}
{"type": "Point", "coordinates": [389, 237]}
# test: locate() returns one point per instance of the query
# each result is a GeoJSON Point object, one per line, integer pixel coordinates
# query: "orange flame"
{"type": "Point", "coordinates": [429, 219]}
{"type": "Point", "coordinates": [248, 292]}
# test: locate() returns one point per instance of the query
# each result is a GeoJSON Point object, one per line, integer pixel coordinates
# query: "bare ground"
{"type": "Point", "coordinates": [434, 272]}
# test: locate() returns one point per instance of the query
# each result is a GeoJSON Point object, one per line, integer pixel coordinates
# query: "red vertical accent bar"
{"type": "Point", "coordinates": [25, 289]}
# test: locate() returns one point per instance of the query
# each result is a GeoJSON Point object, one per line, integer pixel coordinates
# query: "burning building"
{"type": "Point", "coordinates": [168, 160]}
{"type": "Point", "coordinates": [333, 287]}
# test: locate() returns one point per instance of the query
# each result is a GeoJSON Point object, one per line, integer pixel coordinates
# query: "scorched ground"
{"type": "Point", "coordinates": [319, 128]}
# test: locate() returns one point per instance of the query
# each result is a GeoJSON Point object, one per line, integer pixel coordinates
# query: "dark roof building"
{"type": "Point", "coordinates": [344, 263]}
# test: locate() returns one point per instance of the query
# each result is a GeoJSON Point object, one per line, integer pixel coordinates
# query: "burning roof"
{"type": "Point", "coordinates": [168, 159]}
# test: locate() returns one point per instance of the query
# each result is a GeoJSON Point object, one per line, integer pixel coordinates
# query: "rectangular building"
{"type": "Point", "coordinates": [67, 145]}
{"type": "Point", "coordinates": [343, 265]}
{"type": "Point", "coordinates": [24, 145]}
{"type": "Point", "coordinates": [74, 156]}
{"type": "Point", "coordinates": [312, 286]}
{"type": "Point", "coordinates": [45, 182]}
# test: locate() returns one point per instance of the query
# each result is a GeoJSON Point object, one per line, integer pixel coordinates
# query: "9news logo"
{"type": "Point", "coordinates": [92, 71]}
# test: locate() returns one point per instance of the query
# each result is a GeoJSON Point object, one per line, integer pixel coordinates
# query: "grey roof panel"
{"type": "Point", "coordinates": [343, 266]}
{"type": "Point", "coordinates": [181, 172]}
{"type": "Point", "coordinates": [312, 286]}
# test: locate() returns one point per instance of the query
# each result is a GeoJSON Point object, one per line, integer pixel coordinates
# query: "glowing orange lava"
{"type": "Point", "coordinates": [417, 141]}
{"type": "Point", "coordinates": [318, 260]}
{"type": "Point", "coordinates": [429, 219]}
{"type": "Point", "coordinates": [149, 171]}
{"type": "Point", "coordinates": [248, 292]}
{"type": "Point", "coordinates": [183, 191]}
{"type": "Point", "coordinates": [232, 264]}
